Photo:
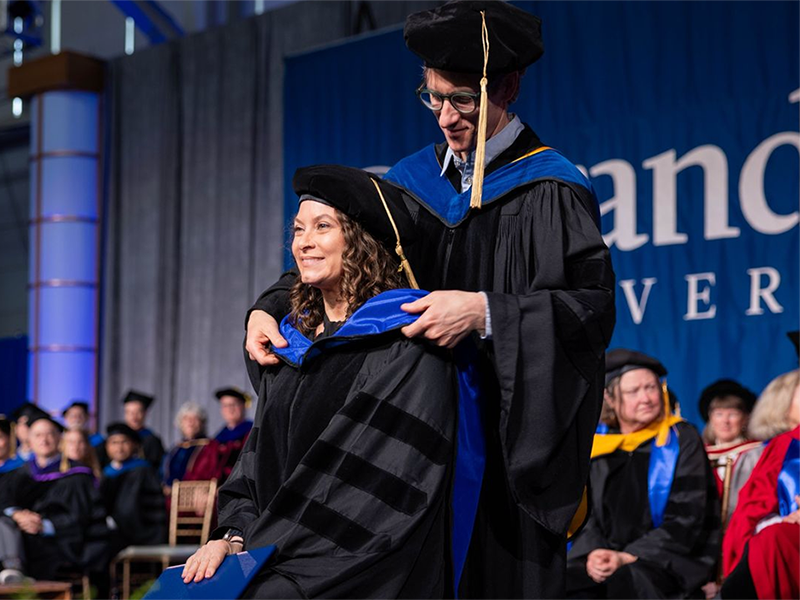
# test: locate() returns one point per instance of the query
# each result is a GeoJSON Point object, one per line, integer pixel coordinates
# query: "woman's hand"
{"type": "Point", "coordinates": [205, 562]}
{"type": "Point", "coordinates": [603, 563]}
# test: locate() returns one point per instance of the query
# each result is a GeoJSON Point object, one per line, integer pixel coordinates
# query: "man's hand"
{"type": "Point", "coordinates": [603, 563]}
{"type": "Point", "coordinates": [28, 521]}
{"type": "Point", "coordinates": [793, 517]}
{"type": "Point", "coordinates": [205, 562]}
{"type": "Point", "coordinates": [447, 316]}
{"type": "Point", "coordinates": [261, 330]}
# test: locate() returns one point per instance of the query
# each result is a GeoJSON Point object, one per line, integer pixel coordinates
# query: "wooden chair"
{"type": "Point", "coordinates": [191, 511]}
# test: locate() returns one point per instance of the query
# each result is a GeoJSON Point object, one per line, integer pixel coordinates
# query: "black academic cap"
{"type": "Point", "coordinates": [622, 360]}
{"type": "Point", "coordinates": [28, 410]}
{"type": "Point", "coordinates": [5, 425]}
{"type": "Point", "coordinates": [794, 336]}
{"type": "Point", "coordinates": [134, 396]}
{"type": "Point", "coordinates": [45, 417]}
{"type": "Point", "coordinates": [75, 403]}
{"type": "Point", "coordinates": [232, 391]}
{"type": "Point", "coordinates": [449, 37]}
{"type": "Point", "coordinates": [722, 388]}
{"type": "Point", "coordinates": [351, 191]}
{"type": "Point", "coordinates": [123, 429]}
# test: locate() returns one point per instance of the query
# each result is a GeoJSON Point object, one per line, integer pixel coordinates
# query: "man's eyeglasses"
{"type": "Point", "coordinates": [463, 102]}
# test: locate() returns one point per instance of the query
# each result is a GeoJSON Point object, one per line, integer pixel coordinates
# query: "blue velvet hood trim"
{"type": "Point", "coordinates": [420, 175]}
{"type": "Point", "coordinates": [382, 314]}
{"type": "Point", "coordinates": [789, 479]}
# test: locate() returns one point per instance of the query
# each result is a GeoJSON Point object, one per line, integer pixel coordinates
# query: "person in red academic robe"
{"type": "Point", "coordinates": [761, 548]}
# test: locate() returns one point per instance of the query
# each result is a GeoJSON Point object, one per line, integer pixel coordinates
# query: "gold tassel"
{"type": "Point", "coordinates": [404, 264]}
{"type": "Point", "coordinates": [480, 149]}
{"type": "Point", "coordinates": [12, 440]}
{"type": "Point", "coordinates": [663, 433]}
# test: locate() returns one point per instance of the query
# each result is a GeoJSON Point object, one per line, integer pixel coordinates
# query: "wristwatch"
{"type": "Point", "coordinates": [233, 535]}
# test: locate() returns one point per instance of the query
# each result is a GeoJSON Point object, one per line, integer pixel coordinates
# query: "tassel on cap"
{"type": "Point", "coordinates": [480, 149]}
{"type": "Point", "coordinates": [663, 431]}
{"type": "Point", "coordinates": [404, 264]}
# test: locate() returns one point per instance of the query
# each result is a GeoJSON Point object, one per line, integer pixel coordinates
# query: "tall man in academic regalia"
{"type": "Point", "coordinates": [136, 406]}
{"type": "Point", "coordinates": [131, 492]}
{"type": "Point", "coordinates": [53, 509]}
{"type": "Point", "coordinates": [509, 234]}
{"type": "Point", "coordinates": [654, 529]}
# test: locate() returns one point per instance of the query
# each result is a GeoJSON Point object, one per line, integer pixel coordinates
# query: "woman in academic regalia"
{"type": "Point", "coordinates": [348, 465]}
{"type": "Point", "coordinates": [761, 548]}
{"type": "Point", "coordinates": [191, 422]}
{"type": "Point", "coordinates": [653, 528]}
{"type": "Point", "coordinates": [725, 406]}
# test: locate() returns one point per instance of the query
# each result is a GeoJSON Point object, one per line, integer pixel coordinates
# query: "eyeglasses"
{"type": "Point", "coordinates": [463, 102]}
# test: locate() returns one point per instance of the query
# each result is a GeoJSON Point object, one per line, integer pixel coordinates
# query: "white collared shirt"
{"type": "Point", "coordinates": [495, 146]}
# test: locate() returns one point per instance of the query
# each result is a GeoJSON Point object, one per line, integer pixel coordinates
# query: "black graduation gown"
{"type": "Point", "coordinates": [72, 503]}
{"type": "Point", "coordinates": [133, 498]}
{"type": "Point", "coordinates": [676, 558]}
{"type": "Point", "coordinates": [347, 471]}
{"type": "Point", "coordinates": [152, 448]}
{"type": "Point", "coordinates": [538, 253]}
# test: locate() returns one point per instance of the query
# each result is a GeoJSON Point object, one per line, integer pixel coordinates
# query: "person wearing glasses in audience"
{"type": "Point", "coordinates": [653, 530]}
{"type": "Point", "coordinates": [510, 242]}
{"type": "Point", "coordinates": [349, 466]}
{"type": "Point", "coordinates": [725, 406]}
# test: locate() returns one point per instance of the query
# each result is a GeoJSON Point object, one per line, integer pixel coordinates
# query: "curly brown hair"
{"type": "Point", "coordinates": [367, 270]}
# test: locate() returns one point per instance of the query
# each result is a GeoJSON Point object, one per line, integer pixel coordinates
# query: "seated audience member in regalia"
{"type": "Point", "coordinates": [233, 404]}
{"type": "Point", "coordinates": [725, 406]}
{"type": "Point", "coordinates": [136, 406]}
{"type": "Point", "coordinates": [76, 416]}
{"type": "Point", "coordinates": [9, 460]}
{"type": "Point", "coordinates": [760, 551]}
{"type": "Point", "coordinates": [52, 516]}
{"type": "Point", "coordinates": [653, 529]}
{"type": "Point", "coordinates": [349, 464]}
{"type": "Point", "coordinates": [10, 563]}
{"type": "Point", "coordinates": [180, 460]}
{"type": "Point", "coordinates": [216, 460]}
{"type": "Point", "coordinates": [22, 416]}
{"type": "Point", "coordinates": [76, 447]}
{"type": "Point", "coordinates": [131, 492]}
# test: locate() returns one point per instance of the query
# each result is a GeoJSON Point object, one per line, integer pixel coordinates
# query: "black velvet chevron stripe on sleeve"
{"type": "Point", "coordinates": [400, 425]}
{"type": "Point", "coordinates": [361, 474]}
{"type": "Point", "coordinates": [322, 520]}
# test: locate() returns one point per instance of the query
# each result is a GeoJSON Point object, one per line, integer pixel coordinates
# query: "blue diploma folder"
{"type": "Point", "coordinates": [230, 580]}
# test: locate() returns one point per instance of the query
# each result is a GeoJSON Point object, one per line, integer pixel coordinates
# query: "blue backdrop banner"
{"type": "Point", "coordinates": [685, 118]}
{"type": "Point", "coordinates": [13, 372]}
